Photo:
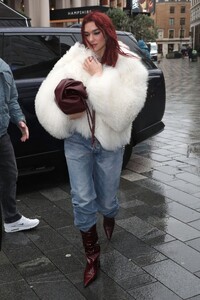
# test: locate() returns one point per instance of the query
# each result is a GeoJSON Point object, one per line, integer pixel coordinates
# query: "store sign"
{"type": "Point", "coordinates": [74, 13]}
{"type": "Point", "coordinates": [141, 6]}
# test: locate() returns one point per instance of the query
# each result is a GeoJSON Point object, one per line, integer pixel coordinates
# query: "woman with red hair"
{"type": "Point", "coordinates": [116, 86]}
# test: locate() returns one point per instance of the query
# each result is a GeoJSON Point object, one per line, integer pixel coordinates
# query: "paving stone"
{"type": "Point", "coordinates": [23, 254]}
{"type": "Point", "coordinates": [16, 241]}
{"type": "Point", "coordinates": [35, 201]}
{"type": "Point", "coordinates": [195, 224]}
{"type": "Point", "coordinates": [136, 281]}
{"type": "Point", "coordinates": [57, 289]}
{"type": "Point", "coordinates": [153, 291]}
{"type": "Point", "coordinates": [56, 217]}
{"type": "Point", "coordinates": [195, 298]}
{"type": "Point", "coordinates": [138, 168]}
{"type": "Point", "coordinates": [55, 194]}
{"type": "Point", "coordinates": [160, 176]}
{"type": "Point", "coordinates": [168, 170]}
{"type": "Point", "coordinates": [182, 197]}
{"type": "Point", "coordinates": [194, 179]}
{"type": "Point", "coordinates": [185, 186]}
{"type": "Point", "coordinates": [8, 274]}
{"type": "Point", "coordinates": [180, 230]}
{"type": "Point", "coordinates": [176, 278]}
{"type": "Point", "coordinates": [129, 175]}
{"type": "Point", "coordinates": [182, 212]}
{"type": "Point", "coordinates": [40, 269]}
{"type": "Point", "coordinates": [155, 186]}
{"type": "Point", "coordinates": [135, 249]}
{"type": "Point", "coordinates": [18, 290]}
{"type": "Point", "coordinates": [67, 260]}
{"type": "Point", "coordinates": [139, 228]}
{"type": "Point", "coordinates": [182, 254]}
{"type": "Point", "coordinates": [117, 266]}
{"type": "Point", "coordinates": [47, 239]}
{"type": "Point", "coordinates": [194, 244]}
{"type": "Point", "coordinates": [132, 203]}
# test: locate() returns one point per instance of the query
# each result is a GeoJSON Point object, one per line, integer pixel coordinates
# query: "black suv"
{"type": "Point", "coordinates": [31, 53]}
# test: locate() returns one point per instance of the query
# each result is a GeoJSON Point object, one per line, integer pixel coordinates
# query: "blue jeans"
{"type": "Point", "coordinates": [8, 179]}
{"type": "Point", "coordinates": [94, 178]}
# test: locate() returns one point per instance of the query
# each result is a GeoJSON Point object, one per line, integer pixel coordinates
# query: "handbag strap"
{"type": "Point", "coordinates": [91, 121]}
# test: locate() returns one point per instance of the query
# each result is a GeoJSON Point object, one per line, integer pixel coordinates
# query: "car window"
{"type": "Point", "coordinates": [132, 44]}
{"type": "Point", "coordinates": [78, 36]}
{"type": "Point", "coordinates": [66, 42]}
{"type": "Point", "coordinates": [31, 56]}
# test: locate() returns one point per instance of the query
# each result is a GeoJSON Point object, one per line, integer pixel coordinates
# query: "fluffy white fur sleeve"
{"type": "Point", "coordinates": [120, 93]}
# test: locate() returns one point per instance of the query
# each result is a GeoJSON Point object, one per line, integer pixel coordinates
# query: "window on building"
{"type": "Point", "coordinates": [182, 9]}
{"type": "Point", "coordinates": [172, 9]}
{"type": "Point", "coordinates": [170, 47]}
{"type": "Point", "coordinates": [160, 48]}
{"type": "Point", "coordinates": [171, 34]}
{"type": "Point", "coordinates": [160, 34]}
{"type": "Point", "coordinates": [182, 33]}
{"type": "Point", "coordinates": [171, 21]}
{"type": "Point", "coordinates": [104, 2]}
{"type": "Point", "coordinates": [182, 21]}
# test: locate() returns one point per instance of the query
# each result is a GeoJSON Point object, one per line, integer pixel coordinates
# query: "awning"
{"type": "Point", "coordinates": [12, 18]}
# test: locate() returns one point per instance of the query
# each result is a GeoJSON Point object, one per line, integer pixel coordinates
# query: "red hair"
{"type": "Point", "coordinates": [105, 25]}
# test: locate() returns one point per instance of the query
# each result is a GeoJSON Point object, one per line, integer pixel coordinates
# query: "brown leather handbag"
{"type": "Point", "coordinates": [71, 96]}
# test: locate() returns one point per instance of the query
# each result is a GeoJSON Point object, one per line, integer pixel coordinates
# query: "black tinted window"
{"type": "Point", "coordinates": [31, 56]}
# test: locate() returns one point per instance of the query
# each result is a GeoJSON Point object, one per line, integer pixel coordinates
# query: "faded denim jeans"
{"type": "Point", "coordinates": [94, 178]}
{"type": "Point", "coordinates": [8, 179]}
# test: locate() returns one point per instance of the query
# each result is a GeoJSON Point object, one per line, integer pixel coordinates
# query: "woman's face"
{"type": "Point", "coordinates": [95, 39]}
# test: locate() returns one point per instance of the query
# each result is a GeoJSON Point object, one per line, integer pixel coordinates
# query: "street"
{"type": "Point", "coordinates": [154, 253]}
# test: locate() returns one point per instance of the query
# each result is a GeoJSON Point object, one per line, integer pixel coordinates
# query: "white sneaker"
{"type": "Point", "coordinates": [22, 224]}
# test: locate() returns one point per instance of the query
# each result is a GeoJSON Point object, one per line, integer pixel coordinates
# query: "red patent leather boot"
{"type": "Point", "coordinates": [108, 224]}
{"type": "Point", "coordinates": [92, 251]}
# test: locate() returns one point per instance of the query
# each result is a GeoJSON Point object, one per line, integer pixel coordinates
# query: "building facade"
{"type": "Point", "coordinates": [172, 17]}
{"type": "Point", "coordinates": [39, 10]}
{"type": "Point", "coordinates": [195, 24]}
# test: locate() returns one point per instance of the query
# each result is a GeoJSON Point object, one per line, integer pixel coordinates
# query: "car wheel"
{"type": "Point", "coordinates": [127, 155]}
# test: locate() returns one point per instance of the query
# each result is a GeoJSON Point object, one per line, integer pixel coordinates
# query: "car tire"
{"type": "Point", "coordinates": [127, 155]}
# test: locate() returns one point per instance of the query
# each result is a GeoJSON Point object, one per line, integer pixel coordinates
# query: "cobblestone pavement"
{"type": "Point", "coordinates": [155, 250]}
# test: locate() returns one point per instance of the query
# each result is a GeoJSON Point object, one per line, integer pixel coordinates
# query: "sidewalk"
{"type": "Point", "coordinates": [155, 249]}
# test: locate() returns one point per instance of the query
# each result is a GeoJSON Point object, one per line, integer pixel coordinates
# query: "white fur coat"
{"type": "Point", "coordinates": [117, 96]}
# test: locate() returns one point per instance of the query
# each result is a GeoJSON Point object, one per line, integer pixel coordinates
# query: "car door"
{"type": "Point", "coordinates": [31, 56]}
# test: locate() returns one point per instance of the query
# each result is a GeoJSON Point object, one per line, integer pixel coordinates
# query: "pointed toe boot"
{"type": "Point", "coordinates": [92, 251]}
{"type": "Point", "coordinates": [109, 224]}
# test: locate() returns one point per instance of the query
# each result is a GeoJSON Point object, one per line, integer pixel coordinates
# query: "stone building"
{"type": "Point", "coordinates": [172, 17]}
{"type": "Point", "coordinates": [39, 10]}
{"type": "Point", "coordinates": [195, 24]}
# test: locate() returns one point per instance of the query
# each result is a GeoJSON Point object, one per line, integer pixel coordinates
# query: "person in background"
{"type": "Point", "coordinates": [189, 51]}
{"type": "Point", "coordinates": [143, 46]}
{"type": "Point", "coordinates": [10, 111]}
{"type": "Point", "coordinates": [116, 83]}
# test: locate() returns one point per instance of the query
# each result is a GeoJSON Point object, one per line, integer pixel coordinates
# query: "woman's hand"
{"type": "Point", "coordinates": [24, 130]}
{"type": "Point", "coordinates": [92, 66]}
